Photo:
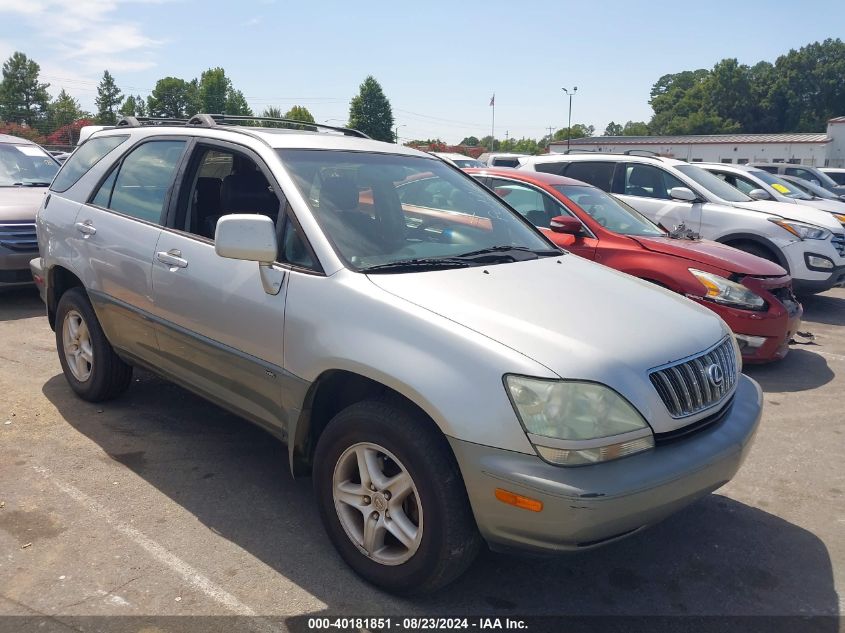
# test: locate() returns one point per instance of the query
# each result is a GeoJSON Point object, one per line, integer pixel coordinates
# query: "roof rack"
{"type": "Point", "coordinates": [641, 152]}
{"type": "Point", "coordinates": [211, 120]}
{"type": "Point", "coordinates": [579, 151]}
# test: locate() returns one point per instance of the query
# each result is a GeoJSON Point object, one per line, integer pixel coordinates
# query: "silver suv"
{"type": "Point", "coordinates": [445, 373]}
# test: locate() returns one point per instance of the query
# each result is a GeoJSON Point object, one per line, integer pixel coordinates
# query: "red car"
{"type": "Point", "coordinates": [753, 295]}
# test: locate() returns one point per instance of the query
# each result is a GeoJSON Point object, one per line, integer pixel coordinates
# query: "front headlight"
{"type": "Point", "coordinates": [575, 423]}
{"type": "Point", "coordinates": [728, 292]}
{"type": "Point", "coordinates": [840, 217]}
{"type": "Point", "coordinates": [802, 231]}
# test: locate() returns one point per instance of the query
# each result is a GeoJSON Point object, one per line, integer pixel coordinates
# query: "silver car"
{"type": "Point", "coordinates": [446, 375]}
{"type": "Point", "coordinates": [25, 172]}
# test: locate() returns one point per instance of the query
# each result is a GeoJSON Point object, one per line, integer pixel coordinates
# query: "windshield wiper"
{"type": "Point", "coordinates": [418, 265]}
{"type": "Point", "coordinates": [510, 253]}
{"type": "Point", "coordinates": [36, 183]}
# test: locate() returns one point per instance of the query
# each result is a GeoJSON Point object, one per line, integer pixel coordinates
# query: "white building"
{"type": "Point", "coordinates": [820, 149]}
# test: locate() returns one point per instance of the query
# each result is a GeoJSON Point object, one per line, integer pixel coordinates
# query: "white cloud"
{"type": "Point", "coordinates": [88, 36]}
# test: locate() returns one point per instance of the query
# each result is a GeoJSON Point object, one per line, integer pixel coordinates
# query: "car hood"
{"type": "Point", "coordinates": [712, 254]}
{"type": "Point", "coordinates": [19, 204]}
{"type": "Point", "coordinates": [797, 212]}
{"type": "Point", "coordinates": [832, 206]}
{"type": "Point", "coordinates": [580, 319]}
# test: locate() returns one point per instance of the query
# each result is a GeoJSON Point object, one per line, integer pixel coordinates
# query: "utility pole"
{"type": "Point", "coordinates": [397, 132]}
{"type": "Point", "coordinates": [569, 124]}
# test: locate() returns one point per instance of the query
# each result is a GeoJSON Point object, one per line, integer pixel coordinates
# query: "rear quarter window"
{"type": "Point", "coordinates": [83, 159]}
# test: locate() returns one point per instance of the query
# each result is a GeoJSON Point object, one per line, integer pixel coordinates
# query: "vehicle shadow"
{"type": "Point", "coordinates": [824, 308]}
{"type": "Point", "coordinates": [717, 557]}
{"type": "Point", "coordinates": [801, 370]}
{"type": "Point", "coordinates": [21, 303]}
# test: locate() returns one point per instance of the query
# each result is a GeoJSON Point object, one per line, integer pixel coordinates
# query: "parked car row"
{"type": "Point", "coordinates": [444, 371]}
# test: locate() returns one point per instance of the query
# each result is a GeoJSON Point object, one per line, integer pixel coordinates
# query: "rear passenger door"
{"type": "Point", "coordinates": [646, 188]}
{"type": "Point", "coordinates": [116, 233]}
{"type": "Point", "coordinates": [220, 333]}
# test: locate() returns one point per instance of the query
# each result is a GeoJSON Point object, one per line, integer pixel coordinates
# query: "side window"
{"type": "Point", "coordinates": [139, 186]}
{"type": "Point", "coordinates": [292, 248]}
{"type": "Point", "coordinates": [740, 183]}
{"type": "Point", "coordinates": [802, 173]}
{"type": "Point", "coordinates": [648, 181]}
{"type": "Point", "coordinates": [223, 182]}
{"type": "Point", "coordinates": [535, 206]}
{"type": "Point", "coordinates": [550, 168]}
{"type": "Point", "coordinates": [595, 173]}
{"type": "Point", "coordinates": [84, 158]}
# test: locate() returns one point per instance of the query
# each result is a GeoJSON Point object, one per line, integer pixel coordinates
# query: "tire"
{"type": "Point", "coordinates": [446, 539]}
{"type": "Point", "coordinates": [78, 330]}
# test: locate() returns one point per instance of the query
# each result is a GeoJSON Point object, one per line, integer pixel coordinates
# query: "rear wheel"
{"type": "Point", "coordinates": [392, 499]}
{"type": "Point", "coordinates": [90, 365]}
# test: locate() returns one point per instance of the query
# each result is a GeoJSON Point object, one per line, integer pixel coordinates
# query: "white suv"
{"type": "Point", "coordinates": [808, 242]}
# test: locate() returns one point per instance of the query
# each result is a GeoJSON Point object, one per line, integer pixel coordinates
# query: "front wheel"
{"type": "Point", "coordinates": [90, 365]}
{"type": "Point", "coordinates": [392, 499]}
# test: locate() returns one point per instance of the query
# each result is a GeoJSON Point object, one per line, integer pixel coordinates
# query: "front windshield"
{"type": "Point", "coordinates": [387, 211]}
{"type": "Point", "coordinates": [610, 212]}
{"type": "Point", "coordinates": [25, 166]}
{"type": "Point", "coordinates": [713, 184]}
{"type": "Point", "coordinates": [468, 162]}
{"type": "Point", "coordinates": [780, 185]}
{"type": "Point", "coordinates": [812, 188]}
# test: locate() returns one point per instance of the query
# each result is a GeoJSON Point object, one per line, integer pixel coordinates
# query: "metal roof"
{"type": "Point", "coordinates": [701, 139]}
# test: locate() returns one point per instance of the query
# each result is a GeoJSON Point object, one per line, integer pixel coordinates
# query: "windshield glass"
{"type": "Point", "coordinates": [713, 184]}
{"type": "Point", "coordinates": [812, 188]}
{"type": "Point", "coordinates": [25, 166]}
{"type": "Point", "coordinates": [468, 162]}
{"type": "Point", "coordinates": [381, 210]}
{"type": "Point", "coordinates": [611, 213]}
{"type": "Point", "coordinates": [780, 185]}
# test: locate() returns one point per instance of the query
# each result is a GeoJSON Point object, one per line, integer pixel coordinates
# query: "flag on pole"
{"type": "Point", "coordinates": [493, 99]}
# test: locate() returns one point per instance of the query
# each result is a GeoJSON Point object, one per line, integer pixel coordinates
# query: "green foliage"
{"type": "Point", "coordinates": [579, 130]}
{"type": "Point", "coordinates": [213, 90]}
{"type": "Point", "coordinates": [636, 128]}
{"type": "Point", "coordinates": [236, 104]}
{"type": "Point", "coordinates": [370, 111]}
{"type": "Point", "coordinates": [613, 129]}
{"type": "Point", "coordinates": [470, 141]}
{"type": "Point", "coordinates": [64, 110]}
{"type": "Point", "coordinates": [171, 98]}
{"type": "Point", "coordinates": [23, 99]}
{"type": "Point", "coordinates": [490, 144]}
{"type": "Point", "coordinates": [134, 106]}
{"type": "Point", "coordinates": [109, 98]}
{"type": "Point", "coordinates": [299, 113]}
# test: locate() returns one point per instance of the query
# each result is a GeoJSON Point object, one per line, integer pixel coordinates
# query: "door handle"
{"type": "Point", "coordinates": [86, 228]}
{"type": "Point", "coordinates": [172, 258]}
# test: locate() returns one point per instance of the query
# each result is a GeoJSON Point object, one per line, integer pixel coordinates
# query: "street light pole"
{"type": "Point", "coordinates": [569, 123]}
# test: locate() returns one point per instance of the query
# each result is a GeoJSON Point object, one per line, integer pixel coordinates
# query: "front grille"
{"type": "Point", "coordinates": [700, 425]}
{"type": "Point", "coordinates": [691, 385]}
{"type": "Point", "coordinates": [839, 244]}
{"type": "Point", "coordinates": [18, 237]}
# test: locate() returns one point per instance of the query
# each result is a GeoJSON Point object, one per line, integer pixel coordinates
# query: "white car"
{"type": "Point", "coordinates": [502, 159]}
{"type": "Point", "coordinates": [837, 174]}
{"type": "Point", "coordinates": [459, 160]}
{"type": "Point", "coordinates": [761, 185]}
{"type": "Point", "coordinates": [808, 242]}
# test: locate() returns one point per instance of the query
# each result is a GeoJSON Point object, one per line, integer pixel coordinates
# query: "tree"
{"type": "Point", "coordinates": [23, 99]}
{"type": "Point", "coordinates": [635, 128]}
{"type": "Point", "coordinates": [170, 98]}
{"type": "Point", "coordinates": [133, 106]}
{"type": "Point", "coordinates": [614, 129]}
{"type": "Point", "coordinates": [64, 110]}
{"type": "Point", "coordinates": [470, 141]}
{"type": "Point", "coordinates": [370, 111]}
{"type": "Point", "coordinates": [490, 144]}
{"type": "Point", "coordinates": [212, 91]}
{"type": "Point", "coordinates": [109, 98]}
{"type": "Point", "coordinates": [299, 113]}
{"type": "Point", "coordinates": [578, 130]}
{"type": "Point", "coordinates": [236, 104]}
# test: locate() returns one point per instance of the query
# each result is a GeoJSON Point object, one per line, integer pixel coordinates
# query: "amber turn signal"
{"type": "Point", "coordinates": [518, 500]}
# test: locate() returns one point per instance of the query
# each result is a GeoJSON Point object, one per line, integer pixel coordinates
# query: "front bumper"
{"type": "Point", "coordinates": [14, 268]}
{"type": "Point", "coordinates": [831, 279]}
{"type": "Point", "coordinates": [590, 505]}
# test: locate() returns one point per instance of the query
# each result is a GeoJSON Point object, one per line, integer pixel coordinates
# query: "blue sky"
{"type": "Point", "coordinates": [438, 62]}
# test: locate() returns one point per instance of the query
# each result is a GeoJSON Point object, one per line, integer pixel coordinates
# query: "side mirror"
{"type": "Point", "coordinates": [250, 237]}
{"type": "Point", "coordinates": [683, 194]}
{"type": "Point", "coordinates": [566, 224]}
{"type": "Point", "coordinates": [759, 194]}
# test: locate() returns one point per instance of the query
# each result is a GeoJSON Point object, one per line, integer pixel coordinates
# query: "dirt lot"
{"type": "Point", "coordinates": [159, 503]}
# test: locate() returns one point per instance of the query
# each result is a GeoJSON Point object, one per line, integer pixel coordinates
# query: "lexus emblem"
{"type": "Point", "coordinates": [716, 375]}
